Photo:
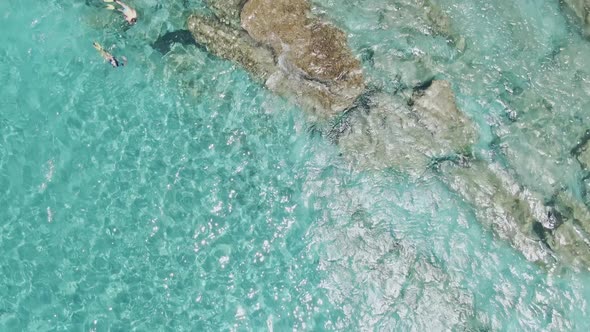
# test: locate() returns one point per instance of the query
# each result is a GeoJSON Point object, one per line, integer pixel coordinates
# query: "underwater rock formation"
{"type": "Point", "coordinates": [571, 237]}
{"type": "Point", "coordinates": [582, 9]}
{"type": "Point", "coordinates": [407, 134]}
{"type": "Point", "coordinates": [502, 206]}
{"type": "Point", "coordinates": [436, 110]}
{"type": "Point", "coordinates": [295, 54]}
{"type": "Point", "coordinates": [394, 267]}
{"type": "Point", "coordinates": [532, 144]}
{"type": "Point", "coordinates": [228, 11]}
{"type": "Point", "coordinates": [287, 48]}
{"type": "Point", "coordinates": [431, 133]}
{"type": "Point", "coordinates": [232, 44]}
{"type": "Point", "coordinates": [310, 52]}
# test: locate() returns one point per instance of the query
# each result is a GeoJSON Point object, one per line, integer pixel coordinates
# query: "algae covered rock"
{"type": "Point", "coordinates": [584, 159]}
{"type": "Point", "coordinates": [277, 21]}
{"type": "Point", "coordinates": [384, 135]}
{"type": "Point", "coordinates": [227, 11]}
{"type": "Point", "coordinates": [500, 206]}
{"type": "Point", "coordinates": [233, 45]}
{"type": "Point", "coordinates": [316, 48]}
{"type": "Point", "coordinates": [392, 133]}
{"type": "Point", "coordinates": [282, 44]}
{"type": "Point", "coordinates": [566, 239]}
{"type": "Point", "coordinates": [436, 110]}
{"type": "Point", "coordinates": [295, 54]}
{"type": "Point", "coordinates": [571, 237]}
{"type": "Point", "coordinates": [307, 49]}
{"type": "Point", "coordinates": [545, 232]}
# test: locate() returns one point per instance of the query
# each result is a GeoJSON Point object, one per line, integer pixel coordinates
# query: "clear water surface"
{"type": "Point", "coordinates": [178, 194]}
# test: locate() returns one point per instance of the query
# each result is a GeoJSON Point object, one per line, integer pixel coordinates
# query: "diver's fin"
{"type": "Point", "coordinates": [110, 7]}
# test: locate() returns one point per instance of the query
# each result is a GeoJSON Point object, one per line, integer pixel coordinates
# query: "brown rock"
{"type": "Point", "coordinates": [227, 11]}
{"type": "Point", "coordinates": [436, 110]}
{"type": "Point", "coordinates": [308, 50]}
{"type": "Point", "coordinates": [276, 21]}
{"type": "Point", "coordinates": [234, 45]}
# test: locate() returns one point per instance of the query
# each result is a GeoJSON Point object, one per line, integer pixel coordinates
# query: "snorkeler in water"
{"type": "Point", "coordinates": [129, 13]}
{"type": "Point", "coordinates": [109, 57]}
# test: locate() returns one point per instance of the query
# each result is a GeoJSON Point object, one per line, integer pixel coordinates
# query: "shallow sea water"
{"type": "Point", "coordinates": [178, 194]}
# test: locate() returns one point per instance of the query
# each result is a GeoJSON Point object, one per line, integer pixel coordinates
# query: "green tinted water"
{"type": "Point", "coordinates": [177, 194]}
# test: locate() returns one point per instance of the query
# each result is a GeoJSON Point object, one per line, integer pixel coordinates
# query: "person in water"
{"type": "Point", "coordinates": [129, 13]}
{"type": "Point", "coordinates": [109, 57]}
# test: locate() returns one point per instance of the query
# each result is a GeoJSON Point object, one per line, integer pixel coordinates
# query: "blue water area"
{"type": "Point", "coordinates": [176, 193]}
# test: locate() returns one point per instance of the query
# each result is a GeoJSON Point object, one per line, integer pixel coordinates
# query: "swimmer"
{"type": "Point", "coordinates": [129, 13]}
{"type": "Point", "coordinates": [109, 57]}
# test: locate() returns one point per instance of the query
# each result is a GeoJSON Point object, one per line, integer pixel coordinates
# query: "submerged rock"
{"type": "Point", "coordinates": [571, 235]}
{"type": "Point", "coordinates": [567, 240]}
{"type": "Point", "coordinates": [281, 44]}
{"type": "Point", "coordinates": [582, 9]}
{"type": "Point", "coordinates": [291, 51]}
{"type": "Point", "coordinates": [227, 11]}
{"type": "Point", "coordinates": [316, 49]}
{"type": "Point", "coordinates": [385, 135]}
{"type": "Point", "coordinates": [408, 136]}
{"type": "Point", "coordinates": [371, 259]}
{"type": "Point", "coordinates": [232, 44]}
{"type": "Point", "coordinates": [533, 146]}
{"type": "Point", "coordinates": [436, 110]}
{"type": "Point", "coordinates": [501, 206]}
{"type": "Point", "coordinates": [437, 17]}
{"type": "Point", "coordinates": [314, 61]}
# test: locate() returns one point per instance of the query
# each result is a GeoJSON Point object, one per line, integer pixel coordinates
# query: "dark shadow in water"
{"type": "Point", "coordinates": [164, 43]}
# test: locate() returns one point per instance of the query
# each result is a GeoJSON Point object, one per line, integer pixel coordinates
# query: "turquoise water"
{"type": "Point", "coordinates": [178, 194]}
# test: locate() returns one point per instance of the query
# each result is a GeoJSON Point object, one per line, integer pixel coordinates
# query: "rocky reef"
{"type": "Point", "coordinates": [283, 45]}
{"type": "Point", "coordinates": [414, 130]}
{"type": "Point", "coordinates": [533, 144]}
{"type": "Point", "coordinates": [228, 12]}
{"type": "Point", "coordinates": [581, 9]}
{"type": "Point", "coordinates": [406, 132]}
